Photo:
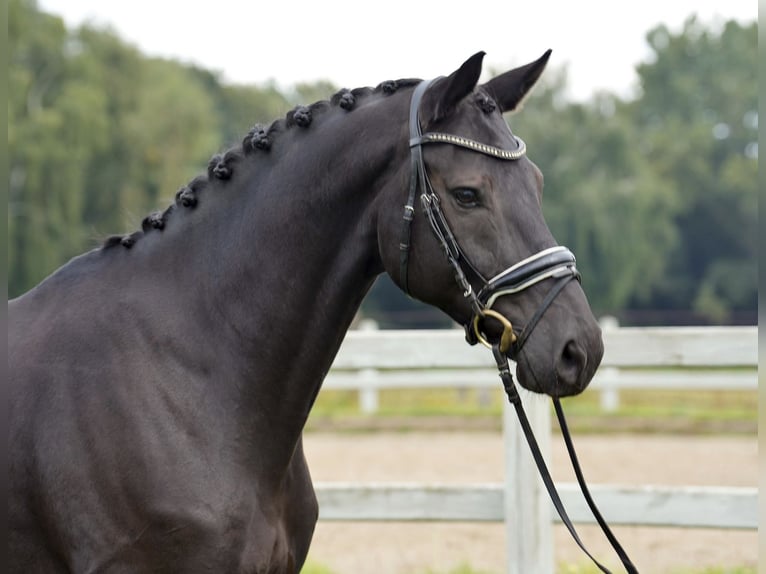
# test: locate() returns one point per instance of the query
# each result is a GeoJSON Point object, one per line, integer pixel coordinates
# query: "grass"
{"type": "Point", "coordinates": [646, 411]}
{"type": "Point", "coordinates": [693, 412]}
{"type": "Point", "coordinates": [311, 567]}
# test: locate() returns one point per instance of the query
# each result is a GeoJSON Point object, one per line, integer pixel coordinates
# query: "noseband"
{"type": "Point", "coordinates": [552, 263]}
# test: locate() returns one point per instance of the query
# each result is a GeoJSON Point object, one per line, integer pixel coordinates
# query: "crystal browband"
{"type": "Point", "coordinates": [434, 137]}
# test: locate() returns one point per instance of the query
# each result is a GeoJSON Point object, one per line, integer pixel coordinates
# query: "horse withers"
{"type": "Point", "coordinates": [159, 384]}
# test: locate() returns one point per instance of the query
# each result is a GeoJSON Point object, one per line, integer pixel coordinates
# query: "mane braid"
{"type": "Point", "coordinates": [129, 241]}
{"type": "Point", "coordinates": [187, 196]}
{"type": "Point", "coordinates": [221, 166]}
{"type": "Point", "coordinates": [256, 138]}
{"type": "Point", "coordinates": [345, 99]}
{"type": "Point", "coordinates": [301, 116]}
{"type": "Point", "coordinates": [259, 138]}
{"type": "Point", "coordinates": [392, 86]}
{"type": "Point", "coordinates": [154, 220]}
{"type": "Point", "coordinates": [360, 93]}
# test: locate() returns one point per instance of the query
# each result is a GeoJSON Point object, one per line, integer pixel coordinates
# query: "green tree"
{"type": "Point", "coordinates": [92, 147]}
{"type": "Point", "coordinates": [600, 197]}
{"type": "Point", "coordinates": [167, 150]}
{"type": "Point", "coordinates": [697, 124]}
{"type": "Point", "coordinates": [55, 122]}
{"type": "Point", "coordinates": [114, 68]}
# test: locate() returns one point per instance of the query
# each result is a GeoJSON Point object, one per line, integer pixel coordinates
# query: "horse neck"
{"type": "Point", "coordinates": [278, 284]}
{"type": "Point", "coordinates": [308, 237]}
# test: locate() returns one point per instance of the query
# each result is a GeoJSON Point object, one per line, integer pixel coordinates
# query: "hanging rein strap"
{"type": "Point", "coordinates": [513, 397]}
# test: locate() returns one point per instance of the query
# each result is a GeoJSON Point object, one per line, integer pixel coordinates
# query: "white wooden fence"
{"type": "Point", "coordinates": [711, 357]}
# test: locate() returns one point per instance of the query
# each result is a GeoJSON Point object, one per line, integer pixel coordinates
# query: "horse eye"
{"type": "Point", "coordinates": [466, 196]}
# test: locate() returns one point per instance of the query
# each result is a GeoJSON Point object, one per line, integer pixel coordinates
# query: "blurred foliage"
{"type": "Point", "coordinates": [656, 194]}
{"type": "Point", "coordinates": [698, 120]}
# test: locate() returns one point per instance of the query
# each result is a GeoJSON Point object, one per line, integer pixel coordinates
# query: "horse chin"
{"type": "Point", "coordinates": [532, 377]}
{"type": "Point", "coordinates": [543, 372]}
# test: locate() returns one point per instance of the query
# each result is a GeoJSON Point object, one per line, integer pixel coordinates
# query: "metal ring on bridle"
{"type": "Point", "coordinates": [506, 339]}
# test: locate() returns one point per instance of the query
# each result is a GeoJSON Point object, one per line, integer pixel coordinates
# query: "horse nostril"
{"type": "Point", "coordinates": [571, 364]}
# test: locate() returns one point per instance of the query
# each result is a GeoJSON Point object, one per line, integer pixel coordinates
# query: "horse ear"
{"type": "Point", "coordinates": [510, 89]}
{"type": "Point", "coordinates": [458, 85]}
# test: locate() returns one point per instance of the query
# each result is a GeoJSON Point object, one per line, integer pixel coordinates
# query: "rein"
{"type": "Point", "coordinates": [553, 263]}
{"type": "Point", "coordinates": [515, 399]}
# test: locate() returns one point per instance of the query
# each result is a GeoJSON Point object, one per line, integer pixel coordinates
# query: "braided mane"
{"type": "Point", "coordinates": [259, 139]}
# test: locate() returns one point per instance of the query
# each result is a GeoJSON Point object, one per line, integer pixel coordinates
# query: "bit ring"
{"type": "Point", "coordinates": [508, 337]}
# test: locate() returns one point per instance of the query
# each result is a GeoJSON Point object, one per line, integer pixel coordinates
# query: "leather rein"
{"type": "Point", "coordinates": [553, 263]}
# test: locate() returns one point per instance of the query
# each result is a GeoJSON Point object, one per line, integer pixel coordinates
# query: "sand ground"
{"type": "Point", "coordinates": [455, 457]}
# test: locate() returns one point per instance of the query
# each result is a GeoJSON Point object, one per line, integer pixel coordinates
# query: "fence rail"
{"type": "Point", "coordinates": [699, 358]}
{"type": "Point", "coordinates": [710, 358]}
{"type": "Point", "coordinates": [625, 347]}
{"type": "Point", "coordinates": [680, 506]}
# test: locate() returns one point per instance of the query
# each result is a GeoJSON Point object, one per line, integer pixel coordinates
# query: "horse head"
{"type": "Point", "coordinates": [472, 239]}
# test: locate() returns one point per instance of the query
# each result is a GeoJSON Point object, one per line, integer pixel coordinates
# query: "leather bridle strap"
{"type": "Point", "coordinates": [416, 160]}
{"type": "Point", "coordinates": [513, 397]}
{"type": "Point", "coordinates": [430, 200]}
{"type": "Point", "coordinates": [532, 323]}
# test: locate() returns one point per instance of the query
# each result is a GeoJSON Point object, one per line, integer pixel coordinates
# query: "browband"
{"type": "Point", "coordinates": [436, 137]}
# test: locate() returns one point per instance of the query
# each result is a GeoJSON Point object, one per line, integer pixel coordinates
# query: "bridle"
{"type": "Point", "coordinates": [556, 263]}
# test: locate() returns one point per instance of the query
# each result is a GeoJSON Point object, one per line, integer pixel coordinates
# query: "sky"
{"type": "Point", "coordinates": [355, 44]}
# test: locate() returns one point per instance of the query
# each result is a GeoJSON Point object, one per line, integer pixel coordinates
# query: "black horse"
{"type": "Point", "coordinates": [159, 384]}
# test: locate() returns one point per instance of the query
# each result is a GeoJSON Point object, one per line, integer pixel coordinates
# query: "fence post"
{"type": "Point", "coordinates": [609, 396]}
{"type": "Point", "coordinates": [368, 389]}
{"type": "Point", "coordinates": [528, 520]}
